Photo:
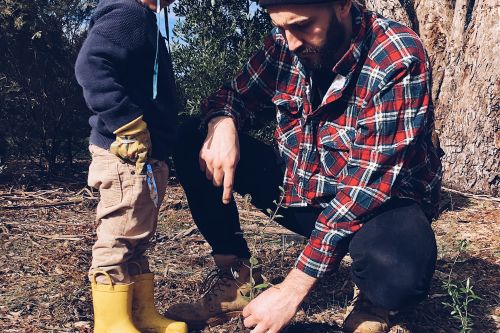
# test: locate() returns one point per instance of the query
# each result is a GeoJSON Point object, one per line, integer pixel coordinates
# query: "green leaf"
{"type": "Point", "coordinates": [262, 286]}
{"type": "Point", "coordinates": [253, 261]}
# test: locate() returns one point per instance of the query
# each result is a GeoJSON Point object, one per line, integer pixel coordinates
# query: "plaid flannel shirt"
{"type": "Point", "coordinates": [368, 141]}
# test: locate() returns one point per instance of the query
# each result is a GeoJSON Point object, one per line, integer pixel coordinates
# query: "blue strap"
{"type": "Point", "coordinates": [155, 69]}
{"type": "Point", "coordinates": [153, 190]}
{"type": "Point", "coordinates": [162, 25]}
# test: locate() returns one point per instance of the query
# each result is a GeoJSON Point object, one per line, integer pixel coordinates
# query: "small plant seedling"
{"type": "Point", "coordinates": [460, 294]}
{"type": "Point", "coordinates": [256, 289]}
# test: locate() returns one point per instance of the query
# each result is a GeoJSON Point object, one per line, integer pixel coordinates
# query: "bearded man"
{"type": "Point", "coordinates": [360, 173]}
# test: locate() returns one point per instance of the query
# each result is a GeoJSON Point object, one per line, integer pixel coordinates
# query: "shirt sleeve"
{"type": "Point", "coordinates": [104, 57]}
{"type": "Point", "coordinates": [256, 82]}
{"type": "Point", "coordinates": [395, 118]}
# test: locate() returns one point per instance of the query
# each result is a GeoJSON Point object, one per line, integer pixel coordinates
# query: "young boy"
{"type": "Point", "coordinates": [126, 74]}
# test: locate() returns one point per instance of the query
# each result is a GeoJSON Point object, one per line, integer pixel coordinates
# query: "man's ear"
{"type": "Point", "coordinates": [343, 8]}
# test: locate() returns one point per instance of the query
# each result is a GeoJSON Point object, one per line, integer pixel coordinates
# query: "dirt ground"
{"type": "Point", "coordinates": [47, 230]}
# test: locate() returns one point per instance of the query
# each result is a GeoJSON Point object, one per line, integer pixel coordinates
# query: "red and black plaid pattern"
{"type": "Point", "coordinates": [368, 141]}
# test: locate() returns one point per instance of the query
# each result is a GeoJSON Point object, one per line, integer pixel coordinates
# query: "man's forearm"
{"type": "Point", "coordinates": [213, 122]}
{"type": "Point", "coordinates": [299, 283]}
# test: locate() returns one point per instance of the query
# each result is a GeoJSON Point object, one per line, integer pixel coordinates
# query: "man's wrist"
{"type": "Point", "coordinates": [299, 282]}
{"type": "Point", "coordinates": [217, 119]}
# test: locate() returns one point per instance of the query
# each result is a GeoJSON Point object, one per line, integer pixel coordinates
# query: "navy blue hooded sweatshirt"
{"type": "Point", "coordinates": [115, 69]}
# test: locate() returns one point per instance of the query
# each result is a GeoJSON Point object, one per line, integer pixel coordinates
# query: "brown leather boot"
{"type": "Point", "coordinates": [362, 316]}
{"type": "Point", "coordinates": [223, 297]}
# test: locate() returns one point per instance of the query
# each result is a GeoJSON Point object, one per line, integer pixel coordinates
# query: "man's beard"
{"type": "Point", "coordinates": [323, 57]}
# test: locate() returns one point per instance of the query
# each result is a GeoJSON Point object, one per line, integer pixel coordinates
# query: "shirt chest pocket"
{"type": "Point", "coordinates": [288, 113]}
{"type": "Point", "coordinates": [334, 149]}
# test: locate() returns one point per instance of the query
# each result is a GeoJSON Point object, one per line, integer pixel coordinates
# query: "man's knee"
{"type": "Point", "coordinates": [391, 280]}
{"type": "Point", "coordinates": [404, 286]}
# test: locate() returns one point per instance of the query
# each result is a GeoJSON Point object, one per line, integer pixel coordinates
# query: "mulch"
{"type": "Point", "coordinates": [47, 231]}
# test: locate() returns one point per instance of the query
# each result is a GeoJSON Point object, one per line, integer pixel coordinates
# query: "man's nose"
{"type": "Point", "coordinates": [294, 43]}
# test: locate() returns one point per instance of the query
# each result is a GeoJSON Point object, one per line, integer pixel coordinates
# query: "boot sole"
{"type": "Point", "coordinates": [213, 321]}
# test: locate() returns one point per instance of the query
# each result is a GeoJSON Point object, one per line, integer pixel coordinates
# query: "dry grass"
{"type": "Point", "coordinates": [46, 252]}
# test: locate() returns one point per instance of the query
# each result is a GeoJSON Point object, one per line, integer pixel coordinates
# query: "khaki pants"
{"type": "Point", "coordinates": [126, 215]}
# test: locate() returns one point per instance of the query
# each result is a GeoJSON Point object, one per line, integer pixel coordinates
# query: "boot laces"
{"type": "Point", "coordinates": [215, 280]}
{"type": "Point", "coordinates": [359, 301]}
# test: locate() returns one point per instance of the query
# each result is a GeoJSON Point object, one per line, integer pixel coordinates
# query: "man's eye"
{"type": "Point", "coordinates": [303, 25]}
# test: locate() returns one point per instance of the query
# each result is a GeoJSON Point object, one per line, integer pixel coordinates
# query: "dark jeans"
{"type": "Point", "coordinates": [394, 253]}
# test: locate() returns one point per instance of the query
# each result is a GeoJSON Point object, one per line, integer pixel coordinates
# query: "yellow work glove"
{"type": "Point", "coordinates": [133, 143]}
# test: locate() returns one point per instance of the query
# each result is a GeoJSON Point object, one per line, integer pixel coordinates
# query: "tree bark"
{"type": "Point", "coordinates": [462, 38]}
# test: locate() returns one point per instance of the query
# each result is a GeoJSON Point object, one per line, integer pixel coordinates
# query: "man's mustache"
{"type": "Point", "coordinates": [308, 51]}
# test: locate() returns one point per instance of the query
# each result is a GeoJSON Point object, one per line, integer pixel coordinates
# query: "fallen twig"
{"type": "Point", "coordinates": [470, 195]}
{"type": "Point", "coordinates": [62, 237]}
{"type": "Point", "coordinates": [185, 233]}
{"type": "Point", "coordinates": [63, 203]}
{"type": "Point", "coordinates": [86, 190]}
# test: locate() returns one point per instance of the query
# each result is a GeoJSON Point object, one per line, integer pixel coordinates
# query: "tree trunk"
{"type": "Point", "coordinates": [462, 38]}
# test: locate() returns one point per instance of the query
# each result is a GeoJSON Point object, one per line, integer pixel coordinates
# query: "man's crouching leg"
{"type": "Point", "coordinates": [259, 174]}
{"type": "Point", "coordinates": [394, 257]}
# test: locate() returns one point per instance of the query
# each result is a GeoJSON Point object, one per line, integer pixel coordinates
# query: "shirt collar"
{"type": "Point", "coordinates": [350, 59]}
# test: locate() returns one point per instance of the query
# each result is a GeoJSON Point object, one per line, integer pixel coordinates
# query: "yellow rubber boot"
{"type": "Point", "coordinates": [144, 312]}
{"type": "Point", "coordinates": [112, 306]}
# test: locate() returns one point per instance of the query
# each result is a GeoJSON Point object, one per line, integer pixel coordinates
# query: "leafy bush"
{"type": "Point", "coordinates": [41, 107]}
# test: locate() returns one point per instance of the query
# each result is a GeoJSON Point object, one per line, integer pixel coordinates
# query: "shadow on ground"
{"type": "Point", "coordinates": [312, 328]}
